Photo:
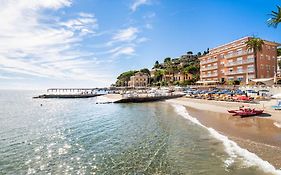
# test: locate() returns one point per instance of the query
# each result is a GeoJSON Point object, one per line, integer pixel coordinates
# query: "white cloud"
{"type": "Point", "coordinates": [142, 40]}
{"type": "Point", "coordinates": [85, 24]}
{"type": "Point", "coordinates": [123, 51]}
{"type": "Point", "coordinates": [138, 3]}
{"type": "Point", "coordinates": [128, 34]}
{"type": "Point", "coordinates": [38, 45]}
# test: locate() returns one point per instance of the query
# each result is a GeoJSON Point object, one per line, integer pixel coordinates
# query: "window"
{"type": "Point", "coordinates": [239, 51]}
{"type": "Point", "coordinates": [230, 78]}
{"type": "Point", "coordinates": [250, 58]}
{"type": "Point", "coordinates": [239, 69]}
{"type": "Point", "coordinates": [240, 78]}
{"type": "Point", "coordinates": [262, 66]}
{"type": "Point", "coordinates": [250, 68]}
{"type": "Point", "coordinates": [239, 59]}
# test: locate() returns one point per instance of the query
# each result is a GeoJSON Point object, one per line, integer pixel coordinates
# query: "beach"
{"type": "Point", "coordinates": [259, 134]}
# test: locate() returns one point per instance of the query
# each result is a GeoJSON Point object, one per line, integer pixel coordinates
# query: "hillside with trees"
{"type": "Point", "coordinates": [186, 64]}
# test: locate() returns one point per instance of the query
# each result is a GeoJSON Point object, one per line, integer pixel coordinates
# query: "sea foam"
{"type": "Point", "coordinates": [231, 147]}
{"type": "Point", "coordinates": [277, 124]}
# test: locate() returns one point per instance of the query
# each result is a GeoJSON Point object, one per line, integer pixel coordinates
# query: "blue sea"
{"type": "Point", "coordinates": [78, 136]}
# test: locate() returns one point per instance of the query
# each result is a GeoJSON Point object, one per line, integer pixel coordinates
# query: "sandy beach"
{"type": "Point", "coordinates": [259, 134]}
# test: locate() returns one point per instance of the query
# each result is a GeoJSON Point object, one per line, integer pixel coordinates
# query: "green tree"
{"type": "Point", "coordinates": [159, 75]}
{"type": "Point", "coordinates": [192, 69]}
{"type": "Point", "coordinates": [146, 71]}
{"type": "Point", "coordinates": [166, 60]}
{"type": "Point", "coordinates": [199, 54]}
{"type": "Point", "coordinates": [255, 44]}
{"type": "Point", "coordinates": [275, 18]}
{"type": "Point", "coordinates": [156, 64]}
{"type": "Point", "coordinates": [279, 64]}
{"type": "Point", "coordinates": [189, 53]}
{"type": "Point", "coordinates": [279, 52]}
{"type": "Point", "coordinates": [124, 78]}
{"type": "Point", "coordinates": [171, 69]}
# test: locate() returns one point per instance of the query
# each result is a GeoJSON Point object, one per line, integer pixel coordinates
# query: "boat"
{"type": "Point", "coordinates": [244, 112]}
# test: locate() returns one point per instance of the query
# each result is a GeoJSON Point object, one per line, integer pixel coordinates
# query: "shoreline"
{"type": "Point", "coordinates": [256, 134]}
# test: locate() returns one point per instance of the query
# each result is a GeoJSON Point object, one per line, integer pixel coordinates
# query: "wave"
{"type": "Point", "coordinates": [277, 124]}
{"type": "Point", "coordinates": [231, 147]}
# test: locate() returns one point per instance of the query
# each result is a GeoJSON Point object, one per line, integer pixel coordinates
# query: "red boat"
{"type": "Point", "coordinates": [244, 112]}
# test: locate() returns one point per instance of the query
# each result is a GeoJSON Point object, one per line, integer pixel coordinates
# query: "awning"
{"type": "Point", "coordinates": [262, 79]}
{"type": "Point", "coordinates": [266, 81]}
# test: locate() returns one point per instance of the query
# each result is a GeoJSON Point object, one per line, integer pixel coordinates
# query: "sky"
{"type": "Point", "coordinates": [75, 43]}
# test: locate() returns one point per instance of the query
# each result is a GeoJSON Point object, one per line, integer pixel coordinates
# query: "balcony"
{"type": "Point", "coordinates": [239, 72]}
{"type": "Point", "coordinates": [246, 52]}
{"type": "Point", "coordinates": [209, 61]}
{"type": "Point", "coordinates": [209, 68]}
{"type": "Point", "coordinates": [236, 63]}
{"type": "Point", "coordinates": [210, 75]}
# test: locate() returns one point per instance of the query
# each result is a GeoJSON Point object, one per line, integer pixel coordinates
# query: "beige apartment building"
{"type": "Point", "coordinates": [138, 80]}
{"type": "Point", "coordinates": [234, 61]}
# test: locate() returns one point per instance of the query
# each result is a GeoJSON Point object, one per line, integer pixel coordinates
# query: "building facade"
{"type": "Point", "coordinates": [278, 68]}
{"type": "Point", "coordinates": [172, 77]}
{"type": "Point", "coordinates": [138, 80]}
{"type": "Point", "coordinates": [234, 61]}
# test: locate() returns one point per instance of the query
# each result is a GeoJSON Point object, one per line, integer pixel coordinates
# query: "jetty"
{"type": "Point", "coordinates": [146, 98]}
{"type": "Point", "coordinates": [73, 93]}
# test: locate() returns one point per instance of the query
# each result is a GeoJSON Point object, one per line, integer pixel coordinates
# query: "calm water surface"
{"type": "Point", "coordinates": [77, 136]}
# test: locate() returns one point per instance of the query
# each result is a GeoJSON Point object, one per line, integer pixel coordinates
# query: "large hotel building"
{"type": "Point", "coordinates": [234, 61]}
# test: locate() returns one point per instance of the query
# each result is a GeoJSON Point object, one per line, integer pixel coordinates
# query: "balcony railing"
{"type": "Point", "coordinates": [235, 63]}
{"type": "Point", "coordinates": [209, 68]}
{"type": "Point", "coordinates": [246, 52]}
{"type": "Point", "coordinates": [210, 75]}
{"type": "Point", "coordinates": [239, 72]}
{"type": "Point", "coordinates": [209, 61]}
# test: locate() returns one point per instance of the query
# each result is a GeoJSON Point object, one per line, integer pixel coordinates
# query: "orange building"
{"type": "Point", "coordinates": [138, 80]}
{"type": "Point", "coordinates": [234, 61]}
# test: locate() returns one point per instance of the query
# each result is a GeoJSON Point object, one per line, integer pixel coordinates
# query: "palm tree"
{"type": "Point", "coordinates": [275, 17]}
{"type": "Point", "coordinates": [255, 44]}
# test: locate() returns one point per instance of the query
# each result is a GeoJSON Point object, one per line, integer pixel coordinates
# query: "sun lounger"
{"type": "Point", "coordinates": [278, 106]}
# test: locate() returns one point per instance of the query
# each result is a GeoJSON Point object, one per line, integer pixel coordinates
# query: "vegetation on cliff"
{"type": "Point", "coordinates": [186, 64]}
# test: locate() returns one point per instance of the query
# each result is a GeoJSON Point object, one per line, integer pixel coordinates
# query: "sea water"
{"type": "Point", "coordinates": [78, 136]}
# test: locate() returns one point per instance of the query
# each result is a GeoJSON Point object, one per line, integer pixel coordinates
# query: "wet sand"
{"type": "Point", "coordinates": [259, 135]}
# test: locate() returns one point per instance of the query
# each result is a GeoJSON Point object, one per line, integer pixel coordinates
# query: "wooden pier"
{"type": "Point", "coordinates": [72, 93]}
